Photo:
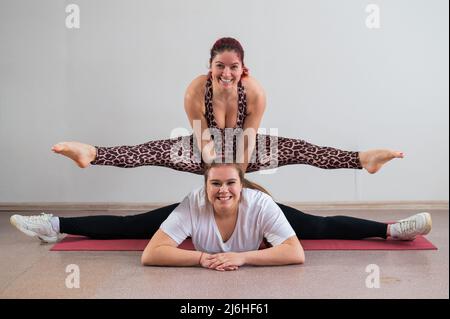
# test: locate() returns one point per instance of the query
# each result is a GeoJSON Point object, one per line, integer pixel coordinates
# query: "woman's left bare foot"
{"type": "Point", "coordinates": [373, 160]}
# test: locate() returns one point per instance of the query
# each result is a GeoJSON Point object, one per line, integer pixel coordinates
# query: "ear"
{"type": "Point", "coordinates": [245, 71]}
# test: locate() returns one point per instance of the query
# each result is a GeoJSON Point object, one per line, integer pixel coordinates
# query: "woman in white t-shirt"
{"type": "Point", "coordinates": [227, 224]}
{"type": "Point", "coordinates": [227, 219]}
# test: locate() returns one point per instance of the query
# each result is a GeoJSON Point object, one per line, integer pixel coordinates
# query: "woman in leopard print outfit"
{"type": "Point", "coordinates": [228, 104]}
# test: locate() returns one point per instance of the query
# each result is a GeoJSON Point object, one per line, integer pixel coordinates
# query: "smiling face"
{"type": "Point", "coordinates": [226, 69]}
{"type": "Point", "coordinates": [223, 188]}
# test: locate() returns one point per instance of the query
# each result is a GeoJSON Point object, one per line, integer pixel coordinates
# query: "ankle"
{"type": "Point", "coordinates": [92, 153]}
{"type": "Point", "coordinates": [363, 158]}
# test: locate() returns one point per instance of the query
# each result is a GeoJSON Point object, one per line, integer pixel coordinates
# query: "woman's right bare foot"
{"type": "Point", "coordinates": [80, 153]}
{"type": "Point", "coordinates": [373, 160]}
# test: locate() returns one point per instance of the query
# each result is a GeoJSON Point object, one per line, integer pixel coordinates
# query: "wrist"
{"type": "Point", "coordinates": [244, 256]}
{"type": "Point", "coordinates": [200, 259]}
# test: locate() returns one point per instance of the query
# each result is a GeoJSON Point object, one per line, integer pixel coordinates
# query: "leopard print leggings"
{"type": "Point", "coordinates": [270, 152]}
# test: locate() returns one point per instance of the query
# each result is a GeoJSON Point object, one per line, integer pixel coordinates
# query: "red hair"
{"type": "Point", "coordinates": [229, 44]}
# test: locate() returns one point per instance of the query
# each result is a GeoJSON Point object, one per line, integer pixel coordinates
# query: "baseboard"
{"type": "Point", "coordinates": [317, 206]}
{"type": "Point", "coordinates": [372, 205]}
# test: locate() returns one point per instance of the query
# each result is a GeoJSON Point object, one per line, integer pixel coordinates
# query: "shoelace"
{"type": "Point", "coordinates": [39, 218]}
{"type": "Point", "coordinates": [408, 226]}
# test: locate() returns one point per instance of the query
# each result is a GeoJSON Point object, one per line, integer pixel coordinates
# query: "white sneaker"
{"type": "Point", "coordinates": [38, 225]}
{"type": "Point", "coordinates": [409, 228]}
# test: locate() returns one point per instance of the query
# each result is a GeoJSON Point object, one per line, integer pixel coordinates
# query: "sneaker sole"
{"type": "Point", "coordinates": [429, 223]}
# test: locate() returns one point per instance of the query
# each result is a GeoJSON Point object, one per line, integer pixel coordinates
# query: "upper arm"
{"type": "Point", "coordinates": [275, 226]}
{"type": "Point", "coordinates": [194, 100]}
{"type": "Point", "coordinates": [292, 241]}
{"type": "Point", "coordinates": [160, 238]}
{"type": "Point", "coordinates": [172, 232]}
{"type": "Point", "coordinates": [297, 250]}
{"type": "Point", "coordinates": [195, 109]}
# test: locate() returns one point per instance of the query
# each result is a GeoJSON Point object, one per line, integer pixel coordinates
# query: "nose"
{"type": "Point", "coordinates": [223, 188]}
{"type": "Point", "coordinates": [226, 71]}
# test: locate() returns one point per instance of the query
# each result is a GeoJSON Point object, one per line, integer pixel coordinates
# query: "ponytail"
{"type": "Point", "coordinates": [248, 184]}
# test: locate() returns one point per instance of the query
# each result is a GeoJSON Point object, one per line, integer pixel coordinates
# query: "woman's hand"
{"type": "Point", "coordinates": [206, 260]}
{"type": "Point", "coordinates": [225, 261]}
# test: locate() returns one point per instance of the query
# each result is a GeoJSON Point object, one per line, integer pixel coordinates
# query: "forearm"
{"type": "Point", "coordinates": [171, 256]}
{"type": "Point", "coordinates": [202, 137]}
{"type": "Point", "coordinates": [246, 145]}
{"type": "Point", "coordinates": [208, 151]}
{"type": "Point", "coordinates": [206, 145]}
{"type": "Point", "coordinates": [277, 255]}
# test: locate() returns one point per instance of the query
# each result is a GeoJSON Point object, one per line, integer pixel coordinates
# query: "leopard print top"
{"type": "Point", "coordinates": [209, 113]}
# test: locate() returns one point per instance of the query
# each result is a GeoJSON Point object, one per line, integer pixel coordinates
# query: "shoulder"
{"type": "Point", "coordinates": [194, 96]}
{"type": "Point", "coordinates": [252, 87]}
{"type": "Point", "coordinates": [256, 198]}
{"type": "Point", "coordinates": [197, 86]}
{"type": "Point", "coordinates": [196, 193]}
{"type": "Point", "coordinates": [197, 197]}
{"type": "Point", "coordinates": [259, 207]}
{"type": "Point", "coordinates": [256, 96]}
{"type": "Point", "coordinates": [191, 205]}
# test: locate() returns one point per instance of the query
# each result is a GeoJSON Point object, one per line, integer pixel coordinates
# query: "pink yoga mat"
{"type": "Point", "coordinates": [77, 243]}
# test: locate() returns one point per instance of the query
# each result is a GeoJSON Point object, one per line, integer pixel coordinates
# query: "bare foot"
{"type": "Point", "coordinates": [82, 154]}
{"type": "Point", "coordinates": [373, 160]}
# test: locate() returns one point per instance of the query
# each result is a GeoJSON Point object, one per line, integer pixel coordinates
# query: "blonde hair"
{"type": "Point", "coordinates": [245, 182]}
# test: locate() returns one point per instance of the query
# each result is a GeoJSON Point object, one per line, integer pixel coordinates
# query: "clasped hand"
{"type": "Point", "coordinates": [222, 261]}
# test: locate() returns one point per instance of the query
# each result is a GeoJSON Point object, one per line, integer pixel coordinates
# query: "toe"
{"type": "Point", "coordinates": [57, 147]}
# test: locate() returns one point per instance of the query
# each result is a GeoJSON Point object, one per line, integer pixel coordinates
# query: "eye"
{"type": "Point", "coordinates": [231, 183]}
{"type": "Point", "coordinates": [216, 184]}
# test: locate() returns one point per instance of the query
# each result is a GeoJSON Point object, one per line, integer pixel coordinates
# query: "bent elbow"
{"type": "Point", "coordinates": [295, 257]}
{"type": "Point", "coordinates": [146, 259]}
{"type": "Point", "coordinates": [300, 257]}
{"type": "Point", "coordinates": [299, 260]}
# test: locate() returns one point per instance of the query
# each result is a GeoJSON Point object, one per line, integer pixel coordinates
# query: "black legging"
{"type": "Point", "coordinates": [143, 226]}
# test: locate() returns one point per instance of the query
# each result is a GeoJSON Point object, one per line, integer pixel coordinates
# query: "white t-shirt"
{"type": "Point", "coordinates": [258, 217]}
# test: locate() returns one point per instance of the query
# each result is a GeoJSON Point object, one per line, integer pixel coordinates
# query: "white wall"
{"type": "Point", "coordinates": [120, 79]}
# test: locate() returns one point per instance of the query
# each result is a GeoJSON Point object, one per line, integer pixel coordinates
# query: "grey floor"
{"type": "Point", "coordinates": [30, 270]}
